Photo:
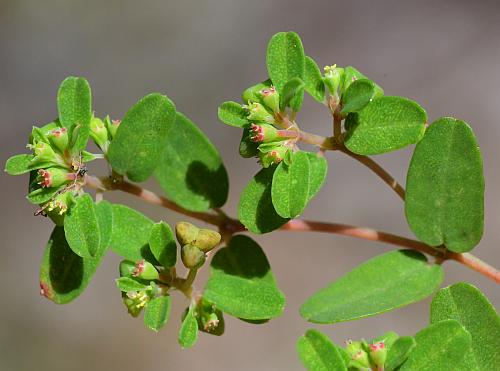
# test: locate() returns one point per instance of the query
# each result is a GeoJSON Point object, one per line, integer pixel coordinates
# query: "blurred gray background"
{"type": "Point", "coordinates": [443, 54]}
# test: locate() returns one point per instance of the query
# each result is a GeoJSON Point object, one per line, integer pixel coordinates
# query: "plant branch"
{"type": "Point", "coordinates": [230, 225]}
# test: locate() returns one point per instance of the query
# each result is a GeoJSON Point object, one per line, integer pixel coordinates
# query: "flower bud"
{"type": "Point", "coordinates": [192, 257]}
{"type": "Point", "coordinates": [57, 207]}
{"type": "Point", "coordinates": [207, 240]}
{"type": "Point", "coordinates": [272, 156]}
{"type": "Point", "coordinates": [210, 319]}
{"type": "Point", "coordinates": [378, 353]}
{"type": "Point", "coordinates": [271, 98]}
{"type": "Point", "coordinates": [98, 132]}
{"type": "Point", "coordinates": [43, 152]}
{"type": "Point", "coordinates": [357, 354]}
{"type": "Point", "coordinates": [145, 270]}
{"type": "Point", "coordinates": [54, 177]}
{"type": "Point", "coordinates": [264, 133]}
{"type": "Point", "coordinates": [135, 301]}
{"type": "Point", "coordinates": [252, 94]}
{"type": "Point", "coordinates": [59, 139]}
{"type": "Point", "coordinates": [257, 112]}
{"type": "Point", "coordinates": [127, 267]}
{"type": "Point", "coordinates": [112, 126]}
{"type": "Point", "coordinates": [332, 78]}
{"type": "Point", "coordinates": [186, 232]}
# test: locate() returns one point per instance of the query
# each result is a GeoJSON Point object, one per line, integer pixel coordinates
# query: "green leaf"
{"type": "Point", "coordinates": [136, 150]}
{"type": "Point", "coordinates": [445, 187]}
{"type": "Point", "coordinates": [291, 93]}
{"type": "Point", "coordinates": [285, 58]}
{"type": "Point", "coordinates": [191, 172]}
{"type": "Point", "coordinates": [360, 93]}
{"type": "Point", "coordinates": [313, 80]}
{"type": "Point", "coordinates": [384, 125]}
{"type": "Point", "coordinates": [81, 227]}
{"type": "Point", "coordinates": [383, 283]}
{"type": "Point", "coordinates": [467, 305]}
{"type": "Point", "coordinates": [188, 333]}
{"type": "Point", "coordinates": [233, 114]}
{"type": "Point", "coordinates": [104, 213]}
{"type": "Point", "coordinates": [318, 353]}
{"type": "Point", "coordinates": [399, 352]}
{"type": "Point", "coordinates": [21, 164]}
{"type": "Point", "coordinates": [127, 284]}
{"type": "Point", "coordinates": [157, 312]}
{"type": "Point", "coordinates": [351, 74]}
{"type": "Point", "coordinates": [63, 274]}
{"type": "Point", "coordinates": [131, 230]}
{"type": "Point", "coordinates": [162, 244]}
{"type": "Point", "coordinates": [256, 210]}
{"type": "Point", "coordinates": [440, 347]}
{"type": "Point", "coordinates": [42, 195]}
{"type": "Point", "coordinates": [74, 103]}
{"type": "Point", "coordinates": [296, 184]}
{"type": "Point", "coordinates": [241, 282]}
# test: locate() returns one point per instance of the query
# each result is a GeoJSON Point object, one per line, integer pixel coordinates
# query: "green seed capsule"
{"type": "Point", "coordinates": [192, 257]}
{"type": "Point", "coordinates": [186, 232]}
{"type": "Point", "coordinates": [207, 240]}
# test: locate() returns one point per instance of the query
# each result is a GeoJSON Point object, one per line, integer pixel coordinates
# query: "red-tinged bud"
{"type": "Point", "coordinates": [99, 133]}
{"type": "Point", "coordinates": [271, 98]}
{"type": "Point", "coordinates": [257, 112]}
{"type": "Point", "coordinates": [272, 156]}
{"type": "Point", "coordinates": [59, 139]}
{"type": "Point", "coordinates": [378, 353]}
{"type": "Point", "coordinates": [264, 133]}
{"type": "Point", "coordinates": [145, 270]}
{"type": "Point", "coordinates": [357, 354]}
{"type": "Point", "coordinates": [54, 177]}
{"type": "Point", "coordinates": [43, 153]}
{"type": "Point", "coordinates": [112, 126]}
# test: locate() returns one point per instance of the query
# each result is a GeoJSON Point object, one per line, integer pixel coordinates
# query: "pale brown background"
{"type": "Point", "coordinates": [443, 54]}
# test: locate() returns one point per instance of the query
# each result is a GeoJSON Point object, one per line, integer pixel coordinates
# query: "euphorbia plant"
{"type": "Point", "coordinates": [443, 207]}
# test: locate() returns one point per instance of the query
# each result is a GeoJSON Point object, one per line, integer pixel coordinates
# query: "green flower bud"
{"type": "Point", "coordinates": [210, 319]}
{"type": "Point", "coordinates": [98, 132]}
{"type": "Point", "coordinates": [264, 133]}
{"type": "Point", "coordinates": [57, 208]}
{"type": "Point", "coordinates": [186, 232]}
{"type": "Point", "coordinates": [207, 240]}
{"type": "Point", "coordinates": [59, 139]}
{"type": "Point", "coordinates": [43, 152]}
{"type": "Point", "coordinates": [145, 270]}
{"type": "Point", "coordinates": [357, 354]}
{"type": "Point", "coordinates": [378, 353]}
{"type": "Point", "coordinates": [112, 126]}
{"type": "Point", "coordinates": [332, 78]}
{"type": "Point", "coordinates": [272, 155]}
{"type": "Point", "coordinates": [127, 268]}
{"type": "Point", "coordinates": [271, 98]}
{"type": "Point", "coordinates": [257, 112]}
{"type": "Point", "coordinates": [252, 94]}
{"type": "Point", "coordinates": [135, 301]}
{"type": "Point", "coordinates": [192, 257]}
{"type": "Point", "coordinates": [54, 177]}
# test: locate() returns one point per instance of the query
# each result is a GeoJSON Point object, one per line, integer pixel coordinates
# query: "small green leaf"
{"type": "Point", "coordinates": [188, 333]}
{"type": "Point", "coordinates": [127, 284]}
{"type": "Point", "coordinates": [81, 227]}
{"type": "Point", "coordinates": [285, 58]}
{"type": "Point", "coordinates": [104, 213]}
{"type": "Point", "coordinates": [157, 312]}
{"type": "Point", "coordinates": [136, 150]}
{"type": "Point", "coordinates": [318, 353]}
{"type": "Point", "coordinates": [440, 347]}
{"type": "Point", "coordinates": [296, 184]}
{"type": "Point", "coordinates": [383, 283]}
{"type": "Point", "coordinates": [386, 124]}
{"type": "Point", "coordinates": [290, 95]}
{"type": "Point", "coordinates": [313, 80]}
{"type": "Point", "coordinates": [399, 352]}
{"type": "Point", "coordinates": [74, 103]}
{"type": "Point", "coordinates": [360, 93]}
{"type": "Point", "coordinates": [42, 195]}
{"type": "Point", "coordinates": [233, 114]}
{"type": "Point", "coordinates": [241, 282]}
{"type": "Point", "coordinates": [467, 305]}
{"type": "Point", "coordinates": [445, 187]}
{"type": "Point", "coordinates": [21, 164]}
{"type": "Point", "coordinates": [191, 172]}
{"type": "Point", "coordinates": [256, 210]}
{"type": "Point", "coordinates": [162, 244]}
{"type": "Point", "coordinates": [131, 230]}
{"type": "Point", "coordinates": [63, 274]}
{"type": "Point", "coordinates": [351, 74]}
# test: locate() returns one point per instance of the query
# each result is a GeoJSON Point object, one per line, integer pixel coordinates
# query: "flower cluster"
{"type": "Point", "coordinates": [195, 243]}
{"type": "Point", "coordinates": [366, 356]}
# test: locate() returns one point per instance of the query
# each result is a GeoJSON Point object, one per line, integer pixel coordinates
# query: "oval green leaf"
{"type": "Point", "coordinates": [467, 305]}
{"type": "Point", "coordinates": [191, 172]}
{"type": "Point", "coordinates": [157, 312]}
{"type": "Point", "coordinates": [233, 114]}
{"type": "Point", "coordinates": [21, 164]}
{"type": "Point", "coordinates": [313, 80]}
{"type": "Point", "coordinates": [127, 284]}
{"type": "Point", "coordinates": [399, 352]}
{"type": "Point", "coordinates": [386, 282]}
{"type": "Point", "coordinates": [440, 347]}
{"type": "Point", "coordinates": [139, 143]}
{"type": "Point", "coordinates": [445, 187]}
{"type": "Point", "coordinates": [384, 125]}
{"type": "Point", "coordinates": [359, 94]}
{"type": "Point", "coordinates": [241, 282]}
{"type": "Point", "coordinates": [317, 352]}
{"type": "Point", "coordinates": [292, 93]}
{"type": "Point", "coordinates": [188, 334]}
{"type": "Point", "coordinates": [104, 213]}
{"type": "Point", "coordinates": [63, 274]}
{"type": "Point", "coordinates": [81, 227]}
{"type": "Point", "coordinates": [162, 244]}
{"type": "Point", "coordinates": [256, 210]}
